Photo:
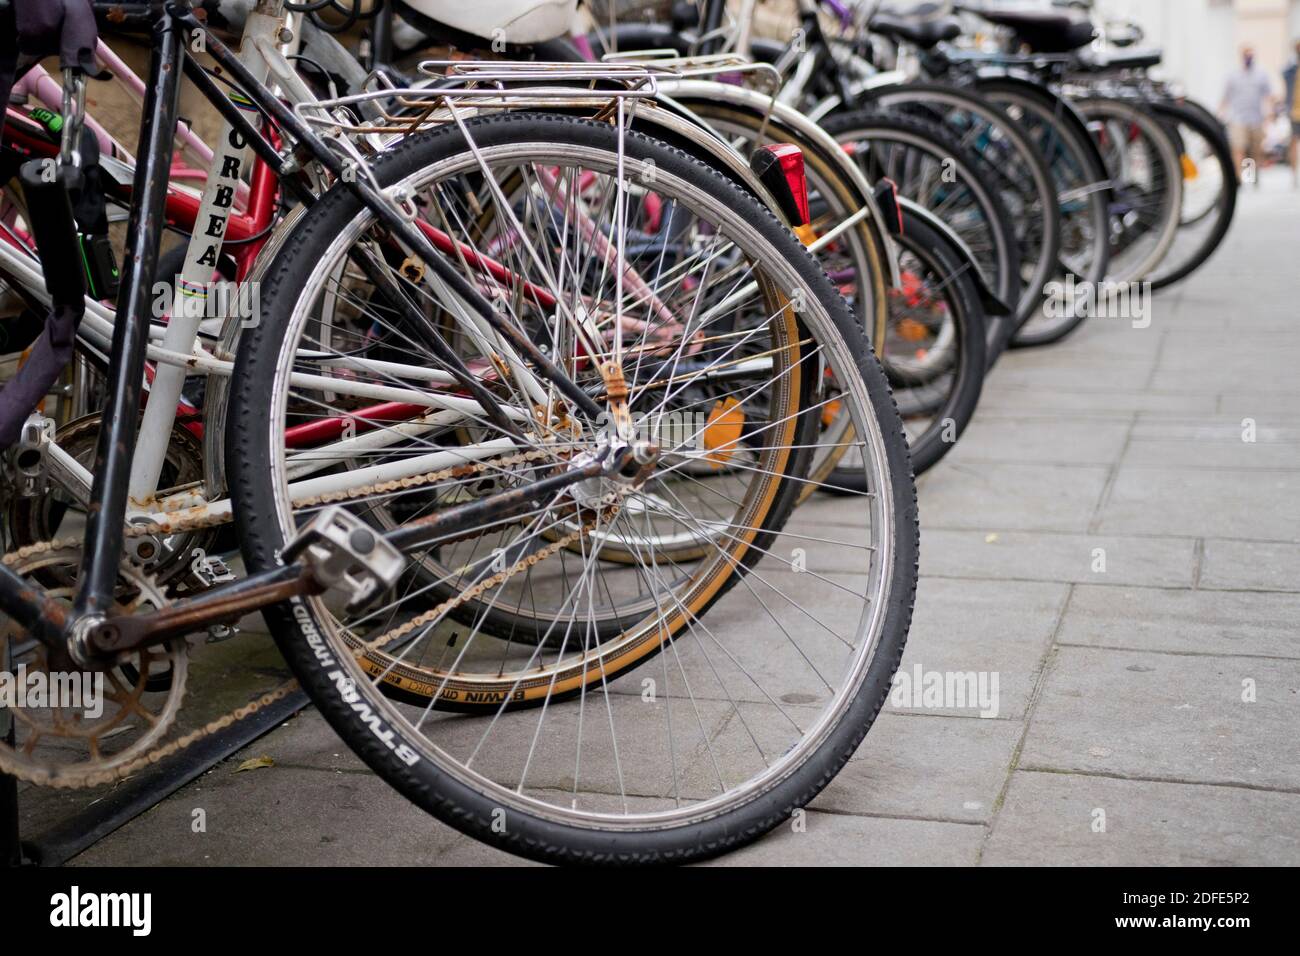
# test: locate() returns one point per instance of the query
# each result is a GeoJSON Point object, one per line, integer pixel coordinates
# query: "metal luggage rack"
{"type": "Point", "coordinates": [479, 85]}
{"type": "Point", "coordinates": [706, 65]}
{"type": "Point", "coordinates": [700, 66]}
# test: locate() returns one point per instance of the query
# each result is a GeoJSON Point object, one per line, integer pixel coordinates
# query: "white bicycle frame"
{"type": "Point", "coordinates": [177, 352]}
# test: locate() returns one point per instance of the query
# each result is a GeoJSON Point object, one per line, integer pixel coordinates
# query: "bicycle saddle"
{"type": "Point", "coordinates": [1111, 60]}
{"type": "Point", "coordinates": [926, 33]}
{"type": "Point", "coordinates": [1043, 31]}
{"type": "Point", "coordinates": [513, 21]}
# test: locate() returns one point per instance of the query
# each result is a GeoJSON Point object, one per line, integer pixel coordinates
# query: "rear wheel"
{"type": "Point", "coordinates": [856, 261]}
{"type": "Point", "coordinates": [1081, 197]}
{"type": "Point", "coordinates": [759, 700]}
{"type": "Point", "coordinates": [1147, 182]}
{"type": "Point", "coordinates": [1022, 177]}
{"type": "Point", "coordinates": [1209, 191]}
{"type": "Point", "coordinates": [931, 167]}
{"type": "Point", "coordinates": [935, 348]}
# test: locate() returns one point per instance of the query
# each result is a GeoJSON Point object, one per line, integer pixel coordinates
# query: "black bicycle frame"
{"type": "Point", "coordinates": [169, 23]}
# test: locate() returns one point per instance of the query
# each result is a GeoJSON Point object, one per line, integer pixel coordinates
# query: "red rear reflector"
{"type": "Point", "coordinates": [791, 159]}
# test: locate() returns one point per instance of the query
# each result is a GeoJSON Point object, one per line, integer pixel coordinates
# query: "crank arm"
{"type": "Point", "coordinates": [114, 636]}
{"type": "Point", "coordinates": [108, 639]}
{"type": "Point", "coordinates": [41, 618]}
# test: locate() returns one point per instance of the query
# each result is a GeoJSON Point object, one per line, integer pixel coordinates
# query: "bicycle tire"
{"type": "Point", "coordinates": [367, 720]}
{"type": "Point", "coordinates": [1175, 266]}
{"type": "Point", "coordinates": [1076, 166]}
{"type": "Point", "coordinates": [1001, 266]}
{"type": "Point", "coordinates": [950, 416]}
{"type": "Point", "coordinates": [1160, 172]}
{"type": "Point", "coordinates": [1028, 183]}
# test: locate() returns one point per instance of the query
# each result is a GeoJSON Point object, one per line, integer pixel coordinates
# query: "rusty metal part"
{"type": "Point", "coordinates": [412, 269]}
{"type": "Point", "coordinates": [109, 774]}
{"type": "Point", "coordinates": [79, 756]}
{"type": "Point", "coordinates": [227, 605]}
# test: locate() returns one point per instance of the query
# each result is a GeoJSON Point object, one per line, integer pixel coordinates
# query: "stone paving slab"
{"type": "Point", "coordinates": [965, 626]}
{"type": "Point", "coordinates": [839, 839]}
{"type": "Point", "coordinates": [1099, 372]}
{"type": "Point", "coordinates": [279, 816]}
{"type": "Point", "coordinates": [1251, 404]}
{"type": "Point", "coordinates": [1168, 717]}
{"type": "Point", "coordinates": [1251, 565]}
{"type": "Point", "coordinates": [1152, 449]}
{"type": "Point", "coordinates": [1192, 502]}
{"type": "Point", "coordinates": [926, 767]}
{"type": "Point", "coordinates": [1082, 404]}
{"type": "Point", "coordinates": [1265, 366]}
{"type": "Point", "coordinates": [1244, 624]}
{"type": "Point", "coordinates": [996, 555]}
{"type": "Point", "coordinates": [1012, 497]}
{"type": "Point", "coordinates": [1048, 819]}
{"type": "Point", "coordinates": [1054, 441]}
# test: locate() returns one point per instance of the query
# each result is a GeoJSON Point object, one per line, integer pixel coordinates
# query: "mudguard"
{"type": "Point", "coordinates": [681, 94]}
{"type": "Point", "coordinates": [988, 298]}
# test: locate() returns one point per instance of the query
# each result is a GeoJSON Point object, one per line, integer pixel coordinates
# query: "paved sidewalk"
{"type": "Point", "coordinates": [1103, 539]}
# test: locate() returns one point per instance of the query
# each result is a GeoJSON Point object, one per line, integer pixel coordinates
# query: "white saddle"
{"type": "Point", "coordinates": [514, 21]}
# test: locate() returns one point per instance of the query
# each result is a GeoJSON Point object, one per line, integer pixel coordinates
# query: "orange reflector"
{"type": "Point", "coordinates": [912, 330]}
{"type": "Point", "coordinates": [829, 411]}
{"type": "Point", "coordinates": [722, 433]}
{"type": "Point", "coordinates": [1189, 167]}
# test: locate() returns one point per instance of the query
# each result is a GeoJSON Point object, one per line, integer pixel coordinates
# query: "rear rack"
{"type": "Point", "coordinates": [477, 86]}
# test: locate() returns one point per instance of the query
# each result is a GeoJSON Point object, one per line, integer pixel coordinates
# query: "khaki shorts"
{"type": "Point", "coordinates": [1248, 140]}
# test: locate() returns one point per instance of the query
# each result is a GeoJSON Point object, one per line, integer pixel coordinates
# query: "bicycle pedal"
{"type": "Point", "coordinates": [345, 553]}
{"type": "Point", "coordinates": [204, 572]}
{"type": "Point", "coordinates": [217, 571]}
{"type": "Point", "coordinates": [221, 632]}
{"type": "Point", "coordinates": [28, 459]}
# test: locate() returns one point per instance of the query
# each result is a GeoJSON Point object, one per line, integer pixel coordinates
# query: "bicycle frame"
{"type": "Point", "coordinates": [84, 634]}
{"type": "Point", "coordinates": [244, 230]}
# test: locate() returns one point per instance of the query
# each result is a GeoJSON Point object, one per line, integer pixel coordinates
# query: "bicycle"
{"type": "Point", "coordinates": [526, 437]}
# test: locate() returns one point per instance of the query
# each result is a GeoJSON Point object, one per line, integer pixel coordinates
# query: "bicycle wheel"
{"type": "Point", "coordinates": [1147, 181]}
{"type": "Point", "coordinates": [1023, 180]}
{"type": "Point", "coordinates": [931, 167]}
{"type": "Point", "coordinates": [935, 353]}
{"type": "Point", "coordinates": [744, 721]}
{"type": "Point", "coordinates": [856, 263]}
{"type": "Point", "coordinates": [1080, 179]}
{"type": "Point", "coordinates": [1209, 191]}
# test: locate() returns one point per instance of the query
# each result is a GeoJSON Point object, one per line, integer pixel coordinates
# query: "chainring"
{"type": "Point", "coordinates": [79, 729]}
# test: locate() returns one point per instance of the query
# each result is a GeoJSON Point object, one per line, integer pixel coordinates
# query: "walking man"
{"type": "Point", "coordinates": [1247, 101]}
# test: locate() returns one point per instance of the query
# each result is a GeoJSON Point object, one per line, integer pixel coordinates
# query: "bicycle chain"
{"type": "Point", "coordinates": [93, 778]}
